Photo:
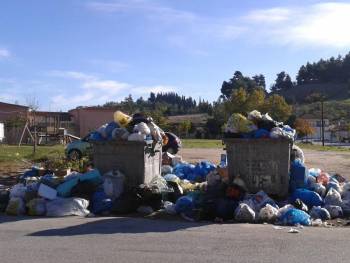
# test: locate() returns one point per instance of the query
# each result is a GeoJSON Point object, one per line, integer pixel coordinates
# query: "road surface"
{"type": "Point", "coordinates": [108, 239]}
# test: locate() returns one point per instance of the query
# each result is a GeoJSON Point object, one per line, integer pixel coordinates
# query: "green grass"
{"type": "Point", "coordinates": [9, 153]}
{"type": "Point", "coordinates": [201, 143]}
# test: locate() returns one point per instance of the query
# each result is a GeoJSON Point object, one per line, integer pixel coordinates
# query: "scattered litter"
{"type": "Point", "coordinates": [293, 231]}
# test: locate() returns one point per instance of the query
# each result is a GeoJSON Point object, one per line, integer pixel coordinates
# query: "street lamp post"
{"type": "Point", "coordinates": [322, 122]}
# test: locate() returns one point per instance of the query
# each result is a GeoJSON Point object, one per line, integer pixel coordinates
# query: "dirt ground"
{"type": "Point", "coordinates": [331, 162]}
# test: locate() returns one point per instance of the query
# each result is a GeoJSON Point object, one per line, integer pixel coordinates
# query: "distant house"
{"type": "Point", "coordinates": [316, 124]}
{"type": "Point", "coordinates": [13, 117]}
{"type": "Point", "coordinates": [198, 123]}
{"type": "Point", "coordinates": [87, 119]}
{"type": "Point", "coordinates": [340, 131]}
{"type": "Point", "coordinates": [11, 111]}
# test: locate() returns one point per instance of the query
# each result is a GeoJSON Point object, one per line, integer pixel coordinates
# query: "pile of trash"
{"type": "Point", "coordinates": [257, 125]}
{"type": "Point", "coordinates": [127, 128]}
{"type": "Point", "coordinates": [200, 191]}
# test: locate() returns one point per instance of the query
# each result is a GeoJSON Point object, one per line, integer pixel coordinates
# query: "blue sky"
{"type": "Point", "coordinates": [72, 52]}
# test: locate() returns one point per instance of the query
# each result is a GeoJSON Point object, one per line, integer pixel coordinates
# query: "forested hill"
{"type": "Point", "coordinates": [303, 93]}
{"type": "Point", "coordinates": [329, 78]}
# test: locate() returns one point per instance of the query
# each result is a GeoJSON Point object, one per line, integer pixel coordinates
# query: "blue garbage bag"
{"type": "Point", "coordinates": [184, 204]}
{"type": "Point", "coordinates": [101, 203]}
{"type": "Point", "coordinates": [293, 217]}
{"type": "Point", "coordinates": [298, 175]}
{"type": "Point", "coordinates": [96, 136]}
{"type": "Point", "coordinates": [225, 208]}
{"type": "Point", "coordinates": [109, 129]}
{"type": "Point", "coordinates": [334, 185]}
{"type": "Point", "coordinates": [184, 170]}
{"type": "Point", "coordinates": [320, 213]}
{"type": "Point", "coordinates": [65, 189]}
{"type": "Point", "coordinates": [261, 133]}
{"type": "Point", "coordinates": [92, 176]}
{"type": "Point", "coordinates": [192, 172]}
{"type": "Point", "coordinates": [310, 198]}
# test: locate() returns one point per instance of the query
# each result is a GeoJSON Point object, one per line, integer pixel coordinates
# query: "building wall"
{"type": "Point", "coordinates": [2, 131]}
{"type": "Point", "coordinates": [316, 124]}
{"type": "Point", "coordinates": [89, 119]}
{"type": "Point", "coordinates": [11, 111]}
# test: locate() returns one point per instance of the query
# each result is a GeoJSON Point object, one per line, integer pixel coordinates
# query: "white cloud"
{"type": "Point", "coordinates": [71, 75]}
{"type": "Point", "coordinates": [308, 25]}
{"type": "Point", "coordinates": [148, 8]}
{"type": "Point", "coordinates": [4, 53]}
{"type": "Point", "coordinates": [325, 25]}
{"type": "Point", "coordinates": [106, 85]}
{"type": "Point", "coordinates": [93, 90]}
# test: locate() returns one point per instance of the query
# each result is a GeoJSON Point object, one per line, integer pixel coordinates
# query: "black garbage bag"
{"type": "Point", "coordinates": [4, 199]}
{"type": "Point", "coordinates": [150, 197]}
{"type": "Point", "coordinates": [84, 189]}
{"type": "Point", "coordinates": [127, 203]}
{"type": "Point", "coordinates": [298, 204]}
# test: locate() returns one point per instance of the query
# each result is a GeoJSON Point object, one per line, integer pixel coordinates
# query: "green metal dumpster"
{"type": "Point", "coordinates": [139, 162]}
{"type": "Point", "coordinates": [263, 164]}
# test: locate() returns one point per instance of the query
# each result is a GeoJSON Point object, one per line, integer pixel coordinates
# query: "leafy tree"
{"type": "Point", "coordinates": [185, 127]}
{"type": "Point", "coordinates": [332, 70]}
{"type": "Point", "coordinates": [303, 128]}
{"type": "Point", "coordinates": [239, 81]}
{"type": "Point", "coordinates": [277, 107]}
{"type": "Point", "coordinates": [282, 82]}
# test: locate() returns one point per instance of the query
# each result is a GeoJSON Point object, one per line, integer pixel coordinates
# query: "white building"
{"type": "Point", "coordinates": [2, 132]}
{"type": "Point", "coordinates": [316, 124]}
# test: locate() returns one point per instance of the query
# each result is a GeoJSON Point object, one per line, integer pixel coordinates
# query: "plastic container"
{"type": "Point", "coordinates": [121, 118]}
{"type": "Point", "coordinates": [263, 164]}
{"type": "Point", "coordinates": [298, 176]}
{"type": "Point", "coordinates": [137, 161]}
{"type": "Point", "coordinates": [47, 192]}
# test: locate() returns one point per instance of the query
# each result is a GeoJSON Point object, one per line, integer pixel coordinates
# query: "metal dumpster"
{"type": "Point", "coordinates": [138, 161]}
{"type": "Point", "coordinates": [263, 164]}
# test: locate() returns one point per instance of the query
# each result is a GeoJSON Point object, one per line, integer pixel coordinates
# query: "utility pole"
{"type": "Point", "coordinates": [322, 122]}
{"type": "Point", "coordinates": [34, 143]}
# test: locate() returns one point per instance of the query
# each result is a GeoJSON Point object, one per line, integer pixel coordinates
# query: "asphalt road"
{"type": "Point", "coordinates": [115, 239]}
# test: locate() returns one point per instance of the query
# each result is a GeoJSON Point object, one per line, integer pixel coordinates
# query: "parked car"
{"type": "Point", "coordinates": [79, 148]}
{"type": "Point", "coordinates": [82, 147]}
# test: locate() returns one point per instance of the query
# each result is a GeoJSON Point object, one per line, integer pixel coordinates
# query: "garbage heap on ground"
{"type": "Point", "coordinates": [195, 191]}
{"type": "Point", "coordinates": [201, 191]}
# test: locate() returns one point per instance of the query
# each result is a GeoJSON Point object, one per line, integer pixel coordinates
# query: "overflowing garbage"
{"type": "Point", "coordinates": [199, 191]}
{"type": "Point", "coordinates": [257, 126]}
{"type": "Point", "coordinates": [129, 128]}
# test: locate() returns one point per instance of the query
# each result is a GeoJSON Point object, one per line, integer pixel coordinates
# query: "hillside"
{"type": "Point", "coordinates": [334, 110]}
{"type": "Point", "coordinates": [300, 93]}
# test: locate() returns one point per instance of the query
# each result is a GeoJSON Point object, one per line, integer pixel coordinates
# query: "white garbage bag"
{"type": "Point", "coordinates": [142, 128]}
{"type": "Point", "coordinates": [113, 184]}
{"type": "Point", "coordinates": [244, 213]}
{"type": "Point", "coordinates": [67, 207]}
{"type": "Point", "coordinates": [334, 211]}
{"type": "Point", "coordinates": [18, 190]}
{"type": "Point", "coordinates": [268, 214]}
{"type": "Point", "coordinates": [333, 198]}
{"type": "Point", "coordinates": [16, 206]}
{"type": "Point", "coordinates": [36, 207]}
